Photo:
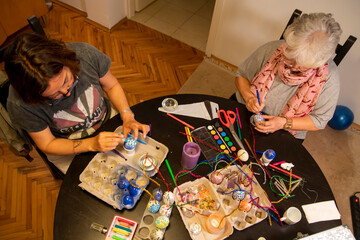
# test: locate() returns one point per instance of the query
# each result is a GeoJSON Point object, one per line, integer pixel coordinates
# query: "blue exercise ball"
{"type": "Point", "coordinates": [342, 119]}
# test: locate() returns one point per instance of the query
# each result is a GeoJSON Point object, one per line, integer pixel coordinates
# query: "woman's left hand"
{"type": "Point", "coordinates": [272, 124]}
{"type": "Point", "coordinates": [129, 123]}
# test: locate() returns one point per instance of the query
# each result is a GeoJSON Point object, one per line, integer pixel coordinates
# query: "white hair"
{"type": "Point", "coordinates": [312, 39]}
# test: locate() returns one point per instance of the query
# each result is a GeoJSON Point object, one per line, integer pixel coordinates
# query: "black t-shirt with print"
{"type": "Point", "coordinates": [74, 115]}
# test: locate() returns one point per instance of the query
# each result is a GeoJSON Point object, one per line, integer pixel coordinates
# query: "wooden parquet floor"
{"type": "Point", "coordinates": [147, 63]}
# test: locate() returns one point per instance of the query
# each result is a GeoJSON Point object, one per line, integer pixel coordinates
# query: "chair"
{"type": "Point", "coordinates": [340, 51]}
{"type": "Point", "coordinates": [4, 91]}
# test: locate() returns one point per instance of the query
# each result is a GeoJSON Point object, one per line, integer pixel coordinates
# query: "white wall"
{"type": "Point", "coordinates": [244, 25]}
{"type": "Point", "coordinates": [105, 12]}
{"type": "Point", "coordinates": [79, 4]}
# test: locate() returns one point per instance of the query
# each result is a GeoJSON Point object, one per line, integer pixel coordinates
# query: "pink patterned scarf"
{"type": "Point", "coordinates": [310, 84]}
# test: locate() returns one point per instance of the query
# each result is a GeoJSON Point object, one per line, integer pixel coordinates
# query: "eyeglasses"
{"type": "Point", "coordinates": [297, 69]}
{"type": "Point", "coordinates": [56, 101]}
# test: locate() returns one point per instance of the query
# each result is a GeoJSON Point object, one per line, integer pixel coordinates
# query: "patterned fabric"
{"type": "Point", "coordinates": [309, 83]}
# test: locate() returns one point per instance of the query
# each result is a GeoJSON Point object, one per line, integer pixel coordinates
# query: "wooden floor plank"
{"type": "Point", "coordinates": [147, 64]}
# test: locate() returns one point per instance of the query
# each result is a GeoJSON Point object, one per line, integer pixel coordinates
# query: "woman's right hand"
{"type": "Point", "coordinates": [252, 104]}
{"type": "Point", "coordinates": [106, 141]}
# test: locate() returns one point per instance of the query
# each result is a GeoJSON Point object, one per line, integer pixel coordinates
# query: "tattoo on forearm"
{"type": "Point", "coordinates": [76, 143]}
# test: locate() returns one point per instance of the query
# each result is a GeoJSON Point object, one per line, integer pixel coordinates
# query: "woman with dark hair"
{"type": "Point", "coordinates": [297, 80]}
{"type": "Point", "coordinates": [57, 96]}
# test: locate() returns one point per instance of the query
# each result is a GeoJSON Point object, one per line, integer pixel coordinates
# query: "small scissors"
{"type": "Point", "coordinates": [227, 118]}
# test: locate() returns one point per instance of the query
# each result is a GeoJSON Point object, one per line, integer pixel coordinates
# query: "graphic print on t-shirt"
{"type": "Point", "coordinates": [88, 110]}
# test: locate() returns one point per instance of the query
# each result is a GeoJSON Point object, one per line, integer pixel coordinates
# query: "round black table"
{"type": "Point", "coordinates": [76, 209]}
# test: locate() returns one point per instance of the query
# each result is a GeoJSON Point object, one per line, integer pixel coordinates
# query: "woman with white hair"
{"type": "Point", "coordinates": [297, 80]}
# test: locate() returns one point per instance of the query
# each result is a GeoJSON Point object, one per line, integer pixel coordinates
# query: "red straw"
{"type": "Point", "coordinates": [286, 172]}
{"type": "Point", "coordinates": [238, 115]}
{"type": "Point", "coordinates": [209, 145]}
{"type": "Point", "coordinates": [181, 121]}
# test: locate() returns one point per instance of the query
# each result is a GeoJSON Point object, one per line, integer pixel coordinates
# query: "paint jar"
{"type": "Point", "coordinates": [267, 156]}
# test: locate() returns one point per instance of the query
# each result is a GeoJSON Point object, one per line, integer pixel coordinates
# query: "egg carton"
{"type": "Point", "coordinates": [102, 174]}
{"type": "Point", "coordinates": [202, 216]}
{"type": "Point", "coordinates": [147, 228]}
{"type": "Point", "coordinates": [101, 178]}
{"type": "Point", "coordinates": [242, 219]}
{"type": "Point", "coordinates": [152, 148]}
{"type": "Point", "coordinates": [239, 219]}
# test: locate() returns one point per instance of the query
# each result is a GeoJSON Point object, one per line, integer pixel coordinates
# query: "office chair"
{"type": "Point", "coordinates": [340, 51]}
{"type": "Point", "coordinates": [4, 92]}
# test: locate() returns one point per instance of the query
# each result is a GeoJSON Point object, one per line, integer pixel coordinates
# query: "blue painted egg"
{"type": "Point", "coordinates": [128, 200]}
{"type": "Point", "coordinates": [153, 206]}
{"type": "Point", "coordinates": [157, 193]}
{"type": "Point", "coordinates": [123, 183]}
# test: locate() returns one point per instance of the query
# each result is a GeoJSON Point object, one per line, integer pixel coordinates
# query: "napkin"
{"type": "Point", "coordinates": [322, 211]}
{"type": "Point", "coordinates": [206, 110]}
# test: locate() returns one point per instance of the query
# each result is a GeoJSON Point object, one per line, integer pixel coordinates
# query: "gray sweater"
{"type": "Point", "coordinates": [281, 93]}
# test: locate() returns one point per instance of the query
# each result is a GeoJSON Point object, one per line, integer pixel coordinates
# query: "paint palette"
{"type": "Point", "coordinates": [204, 135]}
{"type": "Point", "coordinates": [222, 138]}
{"type": "Point", "coordinates": [121, 229]}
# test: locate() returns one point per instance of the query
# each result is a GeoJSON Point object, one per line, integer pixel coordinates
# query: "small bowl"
{"type": "Point", "coordinates": [147, 160]}
{"type": "Point", "coordinates": [169, 104]}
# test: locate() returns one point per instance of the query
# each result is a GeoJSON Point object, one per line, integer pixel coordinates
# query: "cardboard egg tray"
{"type": "Point", "coordinates": [153, 148]}
{"type": "Point", "coordinates": [242, 219]}
{"type": "Point", "coordinates": [239, 219]}
{"type": "Point", "coordinates": [103, 172]}
{"type": "Point", "coordinates": [101, 178]}
{"type": "Point", "coordinates": [147, 225]}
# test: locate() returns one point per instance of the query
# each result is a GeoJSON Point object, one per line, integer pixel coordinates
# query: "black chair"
{"type": "Point", "coordinates": [4, 91]}
{"type": "Point", "coordinates": [340, 51]}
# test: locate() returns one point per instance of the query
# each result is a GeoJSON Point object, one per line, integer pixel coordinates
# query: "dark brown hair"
{"type": "Point", "coordinates": [32, 60]}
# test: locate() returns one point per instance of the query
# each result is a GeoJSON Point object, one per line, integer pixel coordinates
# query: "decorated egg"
{"type": "Point", "coordinates": [157, 234]}
{"type": "Point", "coordinates": [157, 193]}
{"type": "Point", "coordinates": [245, 205]}
{"type": "Point", "coordinates": [123, 183]}
{"type": "Point", "coordinates": [162, 222]}
{"type": "Point", "coordinates": [128, 200]}
{"type": "Point", "coordinates": [130, 144]}
{"type": "Point", "coordinates": [216, 177]}
{"type": "Point", "coordinates": [238, 195]}
{"type": "Point", "coordinates": [195, 228]}
{"type": "Point", "coordinates": [153, 206]}
{"type": "Point", "coordinates": [256, 118]}
{"type": "Point", "coordinates": [243, 155]}
{"type": "Point", "coordinates": [168, 198]}
{"type": "Point", "coordinates": [134, 191]}
{"type": "Point", "coordinates": [165, 210]}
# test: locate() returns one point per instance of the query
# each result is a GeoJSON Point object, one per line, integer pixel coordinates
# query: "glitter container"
{"type": "Point", "coordinates": [169, 104]}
